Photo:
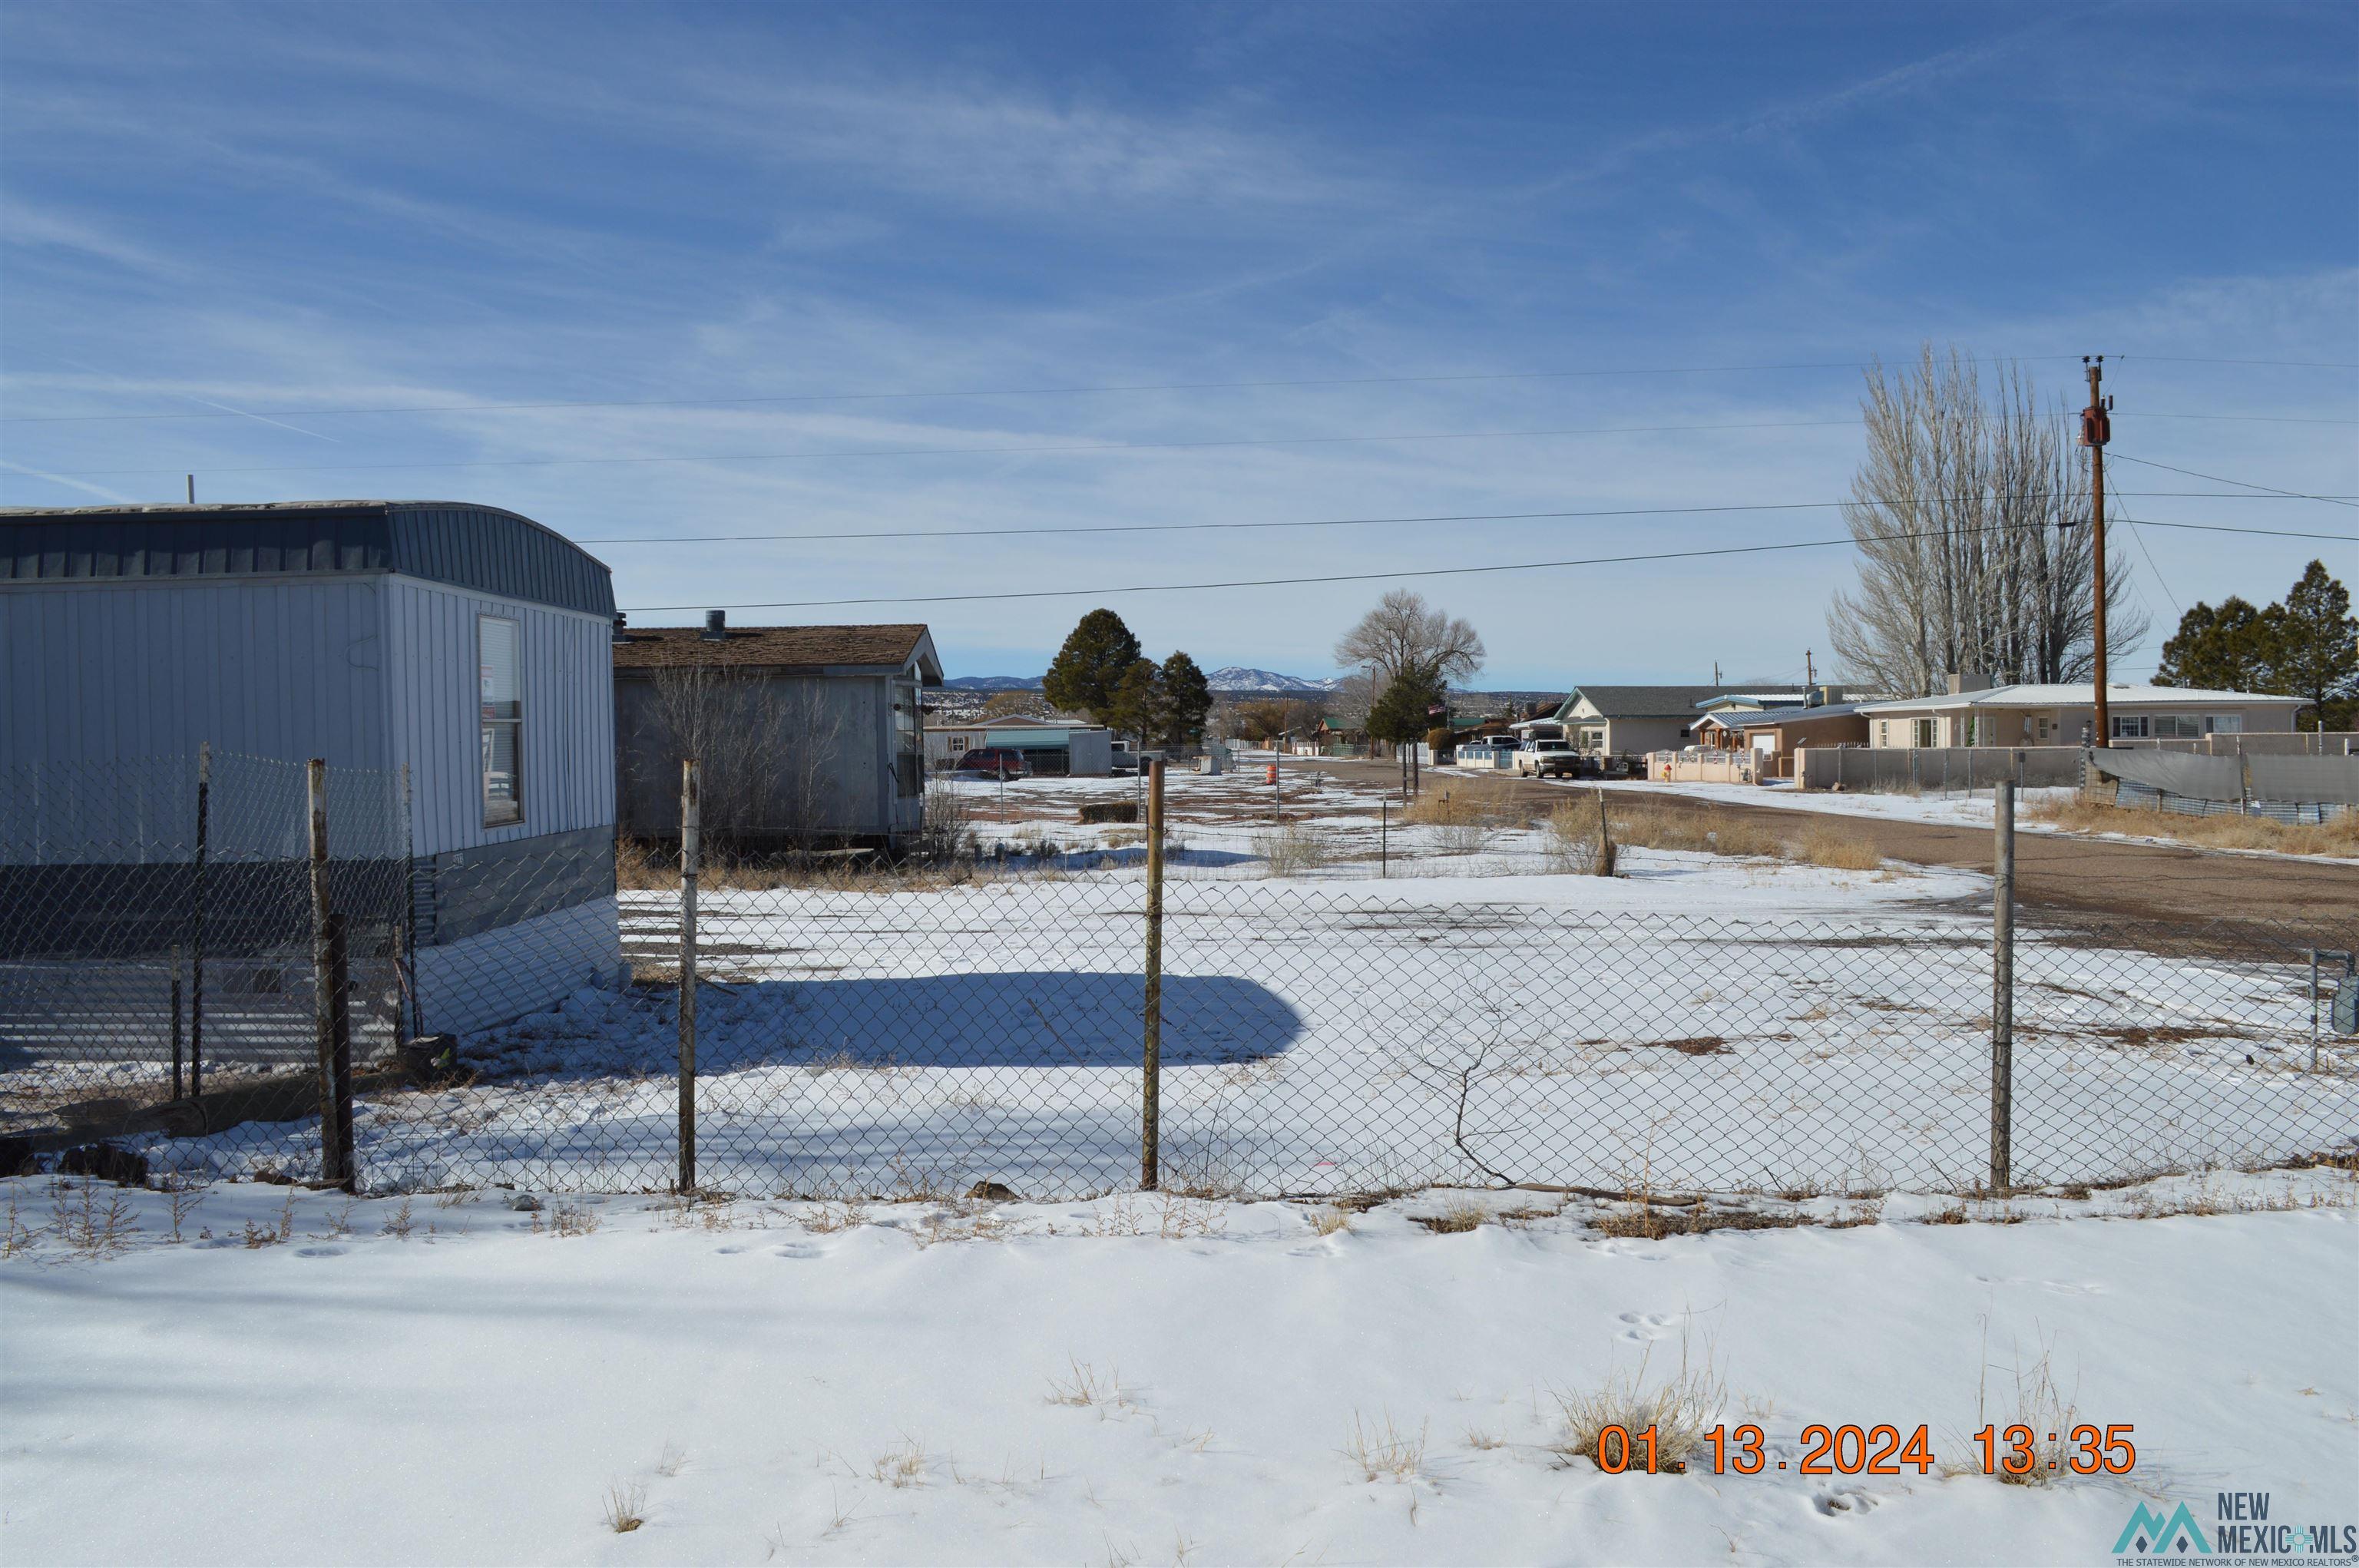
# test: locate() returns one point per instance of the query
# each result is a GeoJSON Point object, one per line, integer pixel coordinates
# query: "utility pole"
{"type": "Point", "coordinates": [1810, 669]}
{"type": "Point", "coordinates": [2096, 430]}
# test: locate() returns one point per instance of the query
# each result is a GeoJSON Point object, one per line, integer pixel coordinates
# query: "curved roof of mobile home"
{"type": "Point", "coordinates": [468, 546]}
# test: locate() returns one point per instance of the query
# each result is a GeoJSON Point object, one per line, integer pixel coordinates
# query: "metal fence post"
{"type": "Point", "coordinates": [175, 1022]}
{"type": "Point", "coordinates": [690, 855]}
{"type": "Point", "coordinates": [2002, 1130]}
{"type": "Point", "coordinates": [1150, 1131]}
{"type": "Point", "coordinates": [197, 926]}
{"type": "Point", "coordinates": [331, 1017]}
{"type": "Point", "coordinates": [1383, 838]}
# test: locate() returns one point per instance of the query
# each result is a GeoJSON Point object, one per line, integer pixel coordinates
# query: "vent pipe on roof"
{"type": "Point", "coordinates": [716, 626]}
{"type": "Point", "coordinates": [192, 489]}
{"type": "Point", "coordinates": [622, 623]}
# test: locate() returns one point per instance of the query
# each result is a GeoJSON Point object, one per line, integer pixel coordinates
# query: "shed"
{"type": "Point", "coordinates": [448, 659]}
{"type": "Point", "coordinates": [805, 734]}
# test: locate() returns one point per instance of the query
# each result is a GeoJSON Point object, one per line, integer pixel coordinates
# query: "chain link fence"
{"type": "Point", "coordinates": [1345, 1001]}
{"type": "Point", "coordinates": [161, 949]}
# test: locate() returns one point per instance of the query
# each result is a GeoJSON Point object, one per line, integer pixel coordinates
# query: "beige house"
{"type": "Point", "coordinates": [2065, 714]}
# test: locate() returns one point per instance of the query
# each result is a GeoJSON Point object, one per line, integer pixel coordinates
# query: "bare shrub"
{"type": "Point", "coordinates": [1293, 848]}
{"type": "Point", "coordinates": [1381, 1450]}
{"type": "Point", "coordinates": [1681, 1409]}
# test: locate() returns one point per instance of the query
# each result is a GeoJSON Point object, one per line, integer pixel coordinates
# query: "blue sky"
{"type": "Point", "coordinates": [302, 209]}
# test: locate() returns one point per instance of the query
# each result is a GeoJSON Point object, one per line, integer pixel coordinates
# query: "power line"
{"type": "Point", "coordinates": [973, 450]}
{"type": "Point", "coordinates": [2139, 535]}
{"type": "Point", "coordinates": [1019, 450]}
{"type": "Point", "coordinates": [1093, 391]}
{"type": "Point", "coordinates": [2246, 484]}
{"type": "Point", "coordinates": [1318, 522]}
{"type": "Point", "coordinates": [1384, 576]}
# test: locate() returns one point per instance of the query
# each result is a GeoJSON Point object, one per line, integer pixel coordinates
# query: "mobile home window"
{"type": "Point", "coordinates": [498, 649]}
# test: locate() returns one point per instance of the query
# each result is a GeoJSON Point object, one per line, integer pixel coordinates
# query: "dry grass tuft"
{"type": "Point", "coordinates": [2337, 836]}
{"type": "Point", "coordinates": [1483, 1441]}
{"type": "Point", "coordinates": [624, 1502]}
{"type": "Point", "coordinates": [1681, 1409]}
{"type": "Point", "coordinates": [1825, 845]}
{"type": "Point", "coordinates": [1457, 1216]}
{"type": "Point", "coordinates": [2043, 1413]}
{"type": "Point", "coordinates": [904, 1465]}
{"type": "Point", "coordinates": [1084, 1388]}
{"type": "Point", "coordinates": [1384, 1450]}
{"type": "Point", "coordinates": [1329, 1221]}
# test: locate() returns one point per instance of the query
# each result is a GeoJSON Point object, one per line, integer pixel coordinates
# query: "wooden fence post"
{"type": "Point", "coordinates": [330, 1015]}
{"type": "Point", "coordinates": [690, 854]}
{"type": "Point", "coordinates": [1151, 1138]}
{"type": "Point", "coordinates": [2002, 1128]}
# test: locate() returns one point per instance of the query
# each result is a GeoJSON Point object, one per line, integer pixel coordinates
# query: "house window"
{"type": "Point", "coordinates": [2225, 724]}
{"type": "Point", "coordinates": [1925, 729]}
{"type": "Point", "coordinates": [498, 646]}
{"type": "Point", "coordinates": [1883, 732]}
{"type": "Point", "coordinates": [908, 743]}
{"type": "Point", "coordinates": [2131, 726]}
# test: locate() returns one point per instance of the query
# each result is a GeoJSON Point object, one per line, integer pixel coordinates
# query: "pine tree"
{"type": "Point", "coordinates": [1097, 654]}
{"type": "Point", "coordinates": [2226, 650]}
{"type": "Point", "coordinates": [1398, 715]}
{"type": "Point", "coordinates": [1137, 706]}
{"type": "Point", "coordinates": [1187, 699]}
{"type": "Point", "coordinates": [2316, 654]}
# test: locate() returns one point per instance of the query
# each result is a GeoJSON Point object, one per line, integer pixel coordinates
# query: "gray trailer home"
{"type": "Point", "coordinates": [449, 661]}
{"type": "Point", "coordinates": [806, 736]}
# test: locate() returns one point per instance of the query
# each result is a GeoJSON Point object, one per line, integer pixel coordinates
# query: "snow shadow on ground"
{"type": "Point", "coordinates": [1007, 1018]}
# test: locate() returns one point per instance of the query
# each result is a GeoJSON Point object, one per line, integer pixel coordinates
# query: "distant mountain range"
{"type": "Point", "coordinates": [993, 683]}
{"type": "Point", "coordinates": [1237, 677]}
{"type": "Point", "coordinates": [1234, 678]}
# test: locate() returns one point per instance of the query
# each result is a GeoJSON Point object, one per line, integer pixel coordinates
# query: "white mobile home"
{"type": "Point", "coordinates": [448, 659]}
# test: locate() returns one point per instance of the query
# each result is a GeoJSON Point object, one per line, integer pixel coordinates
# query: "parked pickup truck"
{"type": "Point", "coordinates": [1547, 760]}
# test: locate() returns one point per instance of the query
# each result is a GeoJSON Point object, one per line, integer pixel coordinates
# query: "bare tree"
{"type": "Point", "coordinates": [767, 748]}
{"type": "Point", "coordinates": [1971, 514]}
{"type": "Point", "coordinates": [1404, 631]}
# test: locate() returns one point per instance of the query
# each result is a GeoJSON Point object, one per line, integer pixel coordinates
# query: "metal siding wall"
{"type": "Point", "coordinates": [288, 669]}
{"type": "Point", "coordinates": [568, 716]}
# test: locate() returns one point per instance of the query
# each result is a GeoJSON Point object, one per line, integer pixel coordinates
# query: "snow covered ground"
{"type": "Point", "coordinates": [1132, 1381]}
{"type": "Point", "coordinates": [1698, 1023]}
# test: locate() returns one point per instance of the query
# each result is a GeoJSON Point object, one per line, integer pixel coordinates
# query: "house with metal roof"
{"type": "Point", "coordinates": [447, 660]}
{"type": "Point", "coordinates": [1972, 713]}
{"type": "Point", "coordinates": [1630, 721]}
{"type": "Point", "coordinates": [805, 736]}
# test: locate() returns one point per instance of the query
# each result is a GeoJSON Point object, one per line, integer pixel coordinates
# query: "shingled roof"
{"type": "Point", "coordinates": [791, 647]}
{"type": "Point", "coordinates": [1642, 702]}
